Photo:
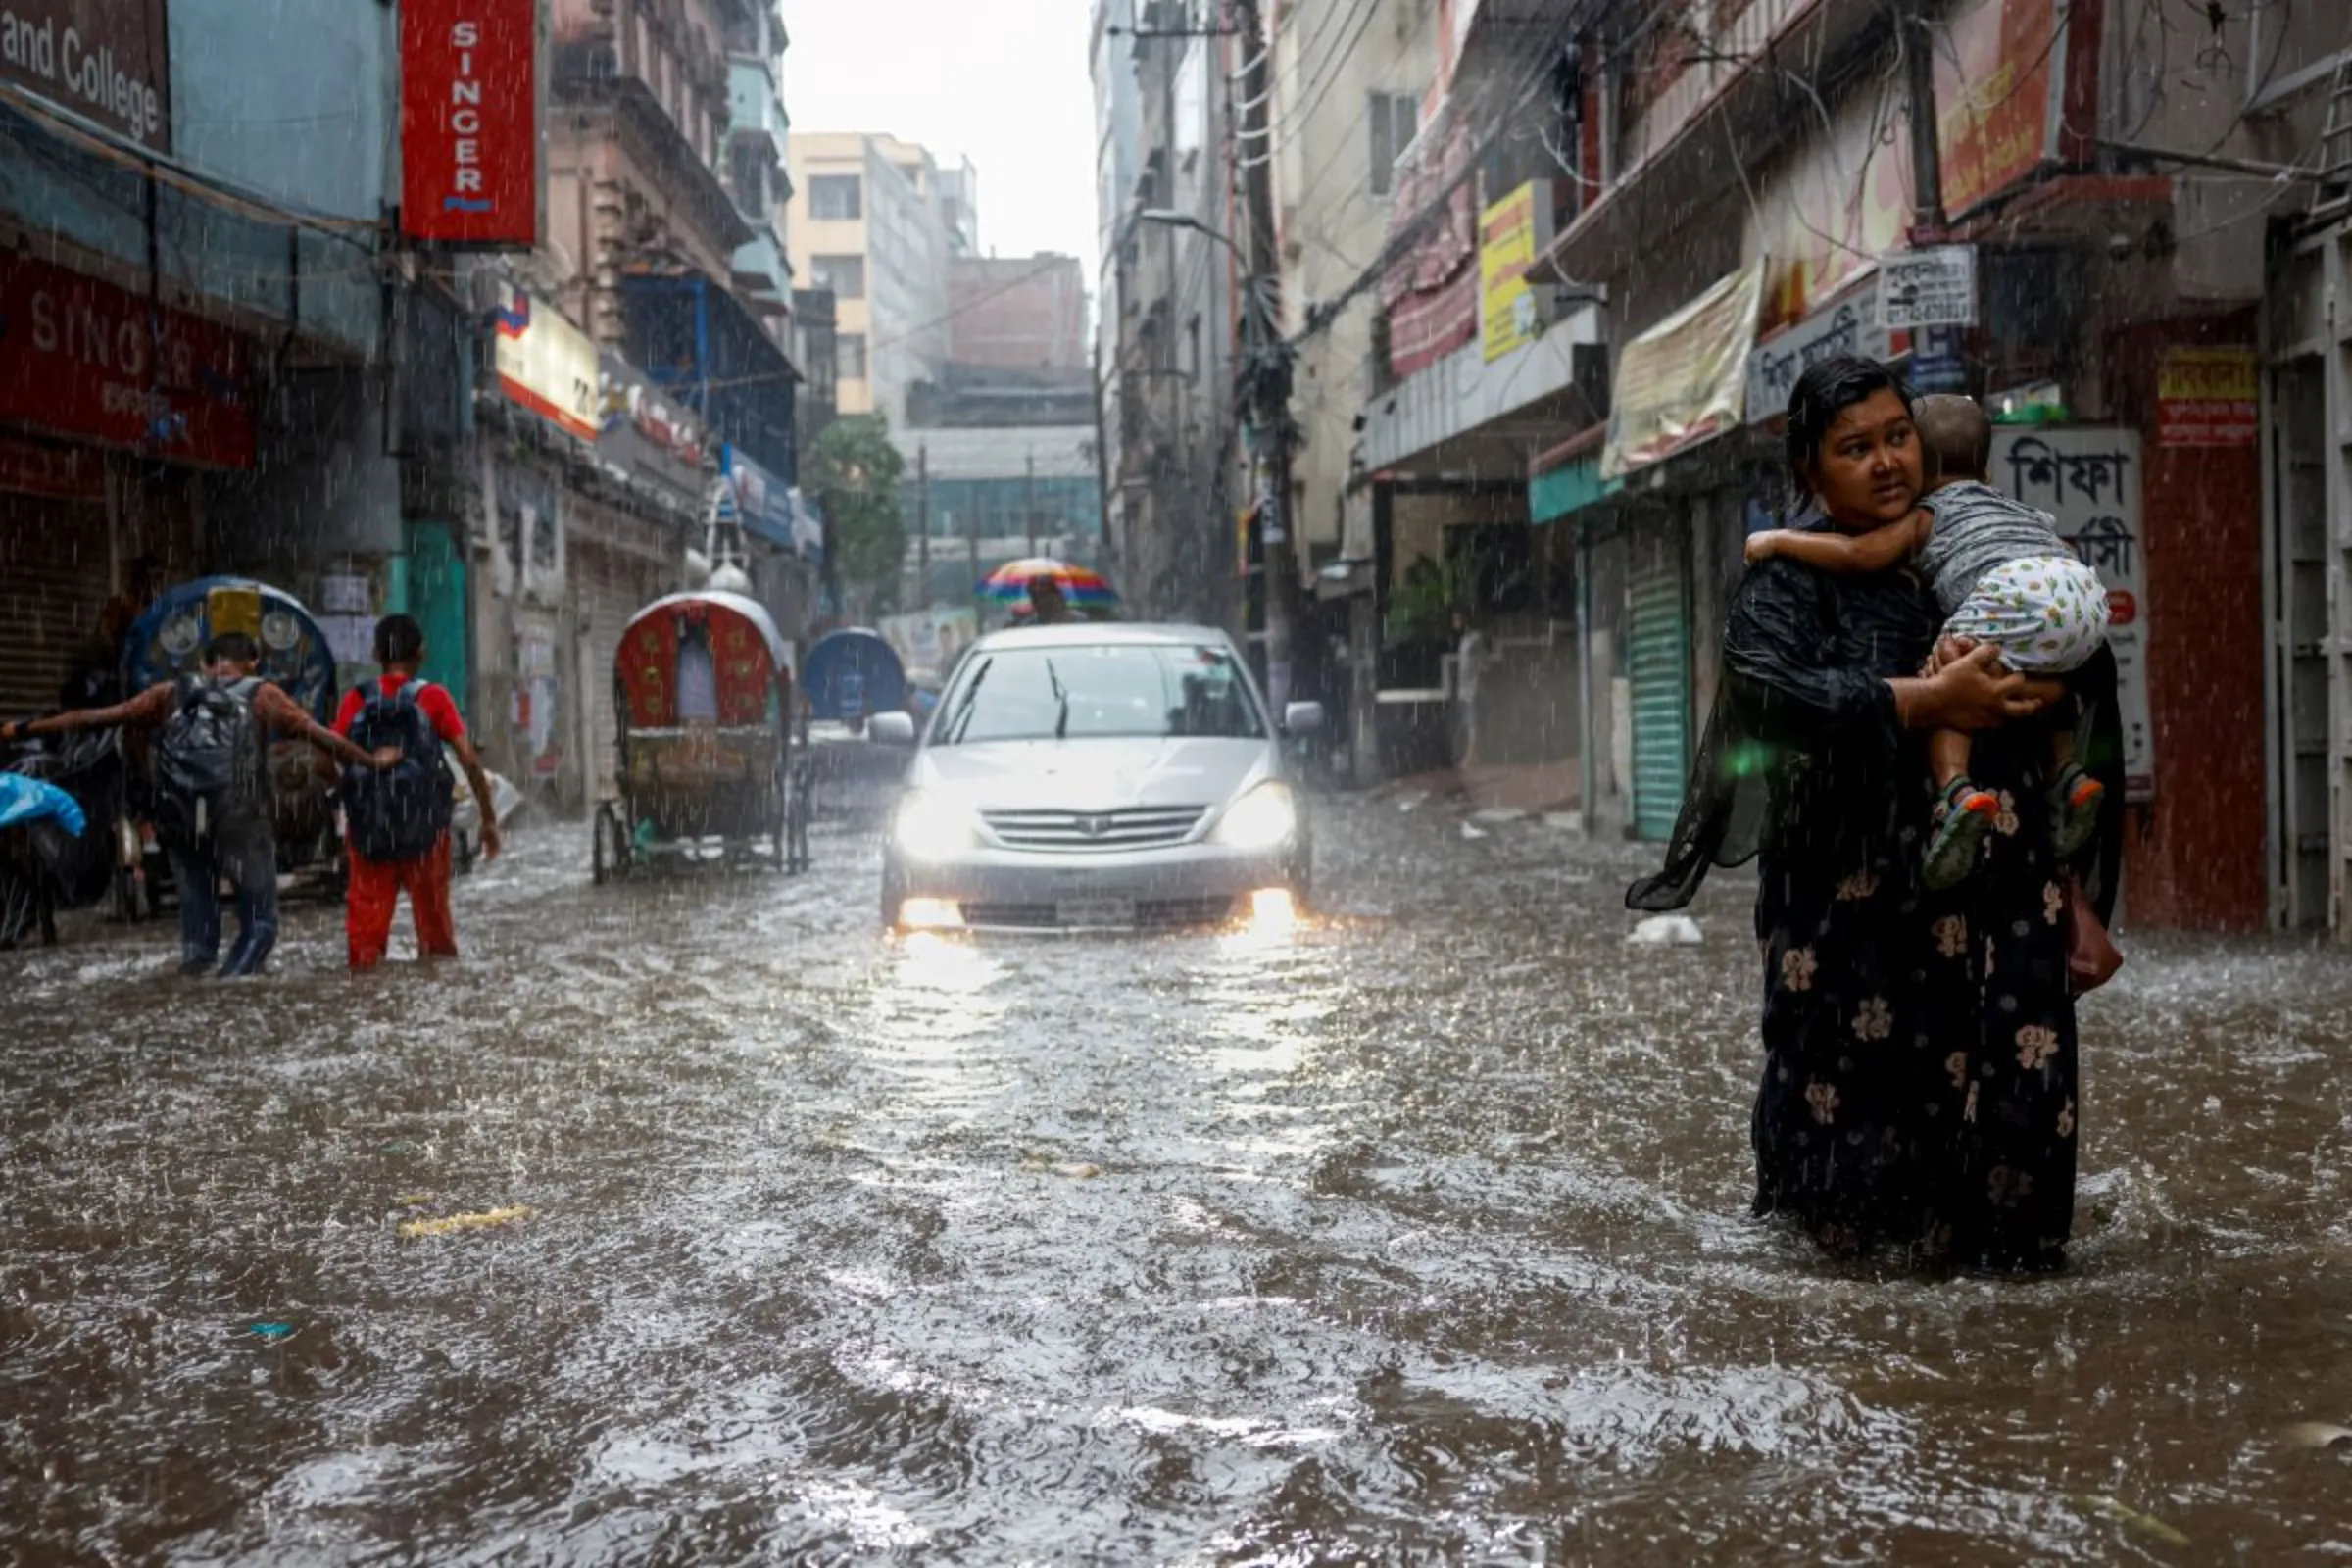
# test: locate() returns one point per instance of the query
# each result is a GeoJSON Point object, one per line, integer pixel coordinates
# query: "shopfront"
{"type": "Point", "coordinates": [1662, 509]}
{"type": "Point", "coordinates": [109, 409]}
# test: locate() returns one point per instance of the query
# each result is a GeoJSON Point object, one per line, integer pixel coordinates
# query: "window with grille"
{"type": "Point", "coordinates": [849, 347]}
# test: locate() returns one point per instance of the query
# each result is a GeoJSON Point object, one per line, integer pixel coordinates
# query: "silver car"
{"type": "Point", "coordinates": [1097, 775]}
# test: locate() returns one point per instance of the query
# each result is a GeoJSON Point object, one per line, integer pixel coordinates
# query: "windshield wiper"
{"type": "Point", "coordinates": [961, 720]}
{"type": "Point", "coordinates": [1062, 694]}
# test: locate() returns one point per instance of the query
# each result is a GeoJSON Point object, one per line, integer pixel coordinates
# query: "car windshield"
{"type": "Point", "coordinates": [1094, 691]}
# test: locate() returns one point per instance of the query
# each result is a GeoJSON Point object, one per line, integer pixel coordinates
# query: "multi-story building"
{"type": "Point", "coordinates": [756, 168]}
{"type": "Point", "coordinates": [1348, 108]}
{"type": "Point", "coordinates": [1118, 162]}
{"type": "Point", "coordinates": [636, 363]}
{"type": "Point", "coordinates": [2093, 262]}
{"type": "Point", "coordinates": [870, 224]}
{"type": "Point", "coordinates": [1018, 311]}
{"type": "Point", "coordinates": [959, 208]}
{"type": "Point", "coordinates": [1169, 349]}
{"type": "Point", "coordinates": [212, 364]}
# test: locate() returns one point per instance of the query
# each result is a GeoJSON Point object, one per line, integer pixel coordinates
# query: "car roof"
{"type": "Point", "coordinates": [1099, 633]}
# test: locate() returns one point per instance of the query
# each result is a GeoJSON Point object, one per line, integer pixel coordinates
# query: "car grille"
{"type": "Point", "coordinates": [1142, 827]}
{"type": "Point", "coordinates": [1148, 912]}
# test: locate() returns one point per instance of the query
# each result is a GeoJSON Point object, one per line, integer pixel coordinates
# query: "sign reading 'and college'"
{"type": "Point", "coordinates": [468, 121]}
{"type": "Point", "coordinates": [105, 59]}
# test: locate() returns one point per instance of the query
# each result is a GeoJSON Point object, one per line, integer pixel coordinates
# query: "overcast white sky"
{"type": "Point", "coordinates": [1002, 83]}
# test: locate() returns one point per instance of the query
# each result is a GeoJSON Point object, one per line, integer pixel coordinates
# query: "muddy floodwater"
{"type": "Point", "coordinates": [1416, 1234]}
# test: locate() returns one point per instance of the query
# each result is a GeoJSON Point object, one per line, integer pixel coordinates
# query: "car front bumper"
{"type": "Point", "coordinates": [1191, 884]}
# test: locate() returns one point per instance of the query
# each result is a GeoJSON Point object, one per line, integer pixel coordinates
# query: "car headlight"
{"type": "Point", "coordinates": [929, 828]}
{"type": "Point", "coordinates": [1261, 819]}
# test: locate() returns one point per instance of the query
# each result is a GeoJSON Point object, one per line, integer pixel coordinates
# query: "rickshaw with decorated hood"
{"type": "Point", "coordinates": [166, 643]}
{"type": "Point", "coordinates": [702, 694]}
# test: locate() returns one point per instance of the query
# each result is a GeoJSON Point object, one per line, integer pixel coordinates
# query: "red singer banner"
{"type": "Point", "coordinates": [470, 121]}
{"type": "Point", "coordinates": [83, 359]}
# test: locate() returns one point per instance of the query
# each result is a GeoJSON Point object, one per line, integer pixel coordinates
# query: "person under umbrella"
{"type": "Point", "coordinates": [1049, 606]}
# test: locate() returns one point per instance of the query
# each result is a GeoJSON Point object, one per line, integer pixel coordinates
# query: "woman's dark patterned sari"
{"type": "Point", "coordinates": [1919, 1081]}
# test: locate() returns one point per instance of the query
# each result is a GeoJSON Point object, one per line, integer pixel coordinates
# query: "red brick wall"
{"type": "Point", "coordinates": [2195, 858]}
{"type": "Point", "coordinates": [1018, 313]}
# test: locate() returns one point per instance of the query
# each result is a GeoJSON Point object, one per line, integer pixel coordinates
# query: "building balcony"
{"type": "Point", "coordinates": [1702, 98]}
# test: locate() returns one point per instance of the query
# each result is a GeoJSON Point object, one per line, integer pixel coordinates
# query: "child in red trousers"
{"type": "Point", "coordinates": [377, 883]}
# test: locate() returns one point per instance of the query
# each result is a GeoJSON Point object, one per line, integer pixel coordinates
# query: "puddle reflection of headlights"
{"type": "Point", "coordinates": [1260, 820]}
{"type": "Point", "coordinates": [929, 828]}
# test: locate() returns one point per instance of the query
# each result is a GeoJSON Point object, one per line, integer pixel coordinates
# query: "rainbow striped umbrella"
{"type": "Point", "coordinates": [1083, 587]}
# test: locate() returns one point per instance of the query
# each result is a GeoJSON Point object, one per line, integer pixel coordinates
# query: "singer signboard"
{"type": "Point", "coordinates": [470, 122]}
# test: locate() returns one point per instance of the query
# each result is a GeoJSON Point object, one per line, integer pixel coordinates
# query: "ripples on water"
{"type": "Point", "coordinates": [1414, 1234]}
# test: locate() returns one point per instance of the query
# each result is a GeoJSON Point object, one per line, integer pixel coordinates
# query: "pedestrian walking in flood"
{"type": "Point", "coordinates": [213, 789]}
{"type": "Point", "coordinates": [1919, 1082]}
{"type": "Point", "coordinates": [396, 823]}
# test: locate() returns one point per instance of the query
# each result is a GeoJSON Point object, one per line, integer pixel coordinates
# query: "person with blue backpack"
{"type": "Point", "coordinates": [396, 821]}
{"type": "Point", "coordinates": [213, 790]}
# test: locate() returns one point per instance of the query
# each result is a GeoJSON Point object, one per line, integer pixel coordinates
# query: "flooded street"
{"type": "Point", "coordinates": [1418, 1233]}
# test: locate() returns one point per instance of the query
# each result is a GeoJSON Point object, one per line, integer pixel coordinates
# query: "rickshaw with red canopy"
{"type": "Point", "coordinates": [703, 698]}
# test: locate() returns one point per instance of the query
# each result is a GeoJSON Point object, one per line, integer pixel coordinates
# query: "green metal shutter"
{"type": "Point", "coordinates": [1657, 657]}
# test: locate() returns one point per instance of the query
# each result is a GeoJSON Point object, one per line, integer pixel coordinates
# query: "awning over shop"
{"type": "Point", "coordinates": [1567, 490]}
{"type": "Point", "coordinates": [1685, 380]}
{"type": "Point", "coordinates": [1566, 479]}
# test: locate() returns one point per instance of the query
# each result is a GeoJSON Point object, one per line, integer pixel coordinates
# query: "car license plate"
{"type": "Point", "coordinates": [1094, 912]}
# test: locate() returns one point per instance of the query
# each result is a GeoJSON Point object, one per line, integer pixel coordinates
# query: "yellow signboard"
{"type": "Point", "coordinates": [1507, 245]}
{"type": "Point", "coordinates": [1685, 380]}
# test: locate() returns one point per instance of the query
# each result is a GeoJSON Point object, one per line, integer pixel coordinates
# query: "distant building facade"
{"type": "Point", "coordinates": [1018, 313]}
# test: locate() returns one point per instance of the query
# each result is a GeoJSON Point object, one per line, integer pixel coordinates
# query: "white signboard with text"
{"type": "Point", "coordinates": [1850, 326]}
{"type": "Point", "coordinates": [1934, 287]}
{"type": "Point", "coordinates": [2090, 478]}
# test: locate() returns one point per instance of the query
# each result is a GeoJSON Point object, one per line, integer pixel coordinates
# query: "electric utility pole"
{"type": "Point", "coordinates": [1928, 220]}
{"type": "Point", "coordinates": [1267, 374]}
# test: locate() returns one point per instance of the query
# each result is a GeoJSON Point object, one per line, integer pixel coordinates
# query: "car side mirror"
{"type": "Point", "coordinates": [892, 729]}
{"type": "Point", "coordinates": [1303, 718]}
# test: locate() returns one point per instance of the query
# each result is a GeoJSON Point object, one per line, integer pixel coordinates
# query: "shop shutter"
{"type": "Point", "coordinates": [54, 570]}
{"type": "Point", "coordinates": [1657, 654]}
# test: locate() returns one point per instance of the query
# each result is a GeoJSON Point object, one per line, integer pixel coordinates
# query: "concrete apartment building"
{"type": "Point", "coordinates": [1169, 327]}
{"type": "Point", "coordinates": [875, 221]}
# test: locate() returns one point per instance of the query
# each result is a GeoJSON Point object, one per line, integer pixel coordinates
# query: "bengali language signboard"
{"type": "Point", "coordinates": [470, 121]}
{"type": "Point", "coordinates": [1849, 326]}
{"type": "Point", "coordinates": [2090, 478]}
{"type": "Point", "coordinates": [1932, 287]}
{"type": "Point", "coordinates": [2207, 397]}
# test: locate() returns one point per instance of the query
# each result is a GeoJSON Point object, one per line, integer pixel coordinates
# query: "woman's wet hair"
{"type": "Point", "coordinates": [1825, 391]}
